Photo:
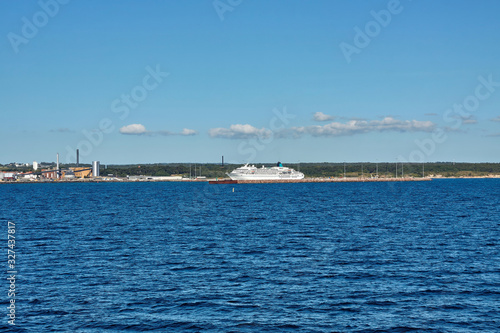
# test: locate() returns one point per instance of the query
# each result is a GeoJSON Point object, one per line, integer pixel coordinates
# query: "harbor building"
{"type": "Point", "coordinates": [82, 172]}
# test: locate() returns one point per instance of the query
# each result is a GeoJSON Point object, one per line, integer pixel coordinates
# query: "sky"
{"type": "Point", "coordinates": [253, 81]}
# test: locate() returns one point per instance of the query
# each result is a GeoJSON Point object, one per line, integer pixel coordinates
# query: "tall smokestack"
{"type": "Point", "coordinates": [222, 160]}
{"type": "Point", "coordinates": [57, 167]}
{"type": "Point", "coordinates": [78, 157]}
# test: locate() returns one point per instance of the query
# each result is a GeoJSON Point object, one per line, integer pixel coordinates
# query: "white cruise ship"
{"type": "Point", "coordinates": [251, 172]}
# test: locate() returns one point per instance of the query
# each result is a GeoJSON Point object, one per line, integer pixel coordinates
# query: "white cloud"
{"type": "Point", "coordinates": [133, 129]}
{"type": "Point", "coordinates": [453, 130]}
{"type": "Point", "coordinates": [320, 116]}
{"type": "Point", "coordinates": [239, 131]}
{"type": "Point", "coordinates": [351, 127]}
{"type": "Point", "coordinates": [187, 131]}
{"type": "Point", "coordinates": [496, 119]}
{"type": "Point", "coordinates": [364, 126]}
{"type": "Point", "coordinates": [466, 120]}
{"type": "Point", "coordinates": [164, 133]}
{"type": "Point", "coordinates": [139, 129]}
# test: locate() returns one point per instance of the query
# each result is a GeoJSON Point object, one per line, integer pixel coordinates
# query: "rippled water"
{"type": "Point", "coordinates": [176, 257]}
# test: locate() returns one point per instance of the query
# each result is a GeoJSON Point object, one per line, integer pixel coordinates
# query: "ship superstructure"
{"type": "Point", "coordinates": [251, 172]}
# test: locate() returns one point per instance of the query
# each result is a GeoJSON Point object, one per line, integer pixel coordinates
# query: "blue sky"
{"type": "Point", "coordinates": [255, 81]}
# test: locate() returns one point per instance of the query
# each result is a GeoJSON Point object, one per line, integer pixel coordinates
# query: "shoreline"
{"type": "Point", "coordinates": [229, 181]}
{"type": "Point", "coordinates": [319, 180]}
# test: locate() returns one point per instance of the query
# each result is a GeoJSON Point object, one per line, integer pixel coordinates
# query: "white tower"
{"type": "Point", "coordinates": [95, 168]}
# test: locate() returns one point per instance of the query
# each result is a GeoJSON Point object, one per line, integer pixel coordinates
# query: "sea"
{"type": "Point", "coordinates": [304, 257]}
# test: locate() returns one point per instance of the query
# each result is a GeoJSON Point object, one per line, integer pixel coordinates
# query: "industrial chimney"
{"type": "Point", "coordinates": [77, 157]}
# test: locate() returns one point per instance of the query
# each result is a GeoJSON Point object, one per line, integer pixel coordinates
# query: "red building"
{"type": "Point", "coordinates": [49, 174]}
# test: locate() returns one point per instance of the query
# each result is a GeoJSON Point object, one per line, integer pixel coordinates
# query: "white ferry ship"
{"type": "Point", "coordinates": [251, 172]}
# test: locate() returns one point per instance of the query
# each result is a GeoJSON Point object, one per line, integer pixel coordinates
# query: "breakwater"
{"type": "Point", "coordinates": [318, 180]}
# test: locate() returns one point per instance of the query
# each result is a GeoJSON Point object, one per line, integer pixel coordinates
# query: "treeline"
{"type": "Point", "coordinates": [393, 169]}
{"type": "Point", "coordinates": [382, 169]}
{"type": "Point", "coordinates": [185, 170]}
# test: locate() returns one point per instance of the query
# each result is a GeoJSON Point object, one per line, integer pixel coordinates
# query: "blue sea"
{"type": "Point", "coordinates": [193, 257]}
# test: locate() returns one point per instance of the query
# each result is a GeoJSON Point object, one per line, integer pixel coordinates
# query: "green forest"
{"type": "Point", "coordinates": [313, 169]}
{"type": "Point", "coordinates": [367, 169]}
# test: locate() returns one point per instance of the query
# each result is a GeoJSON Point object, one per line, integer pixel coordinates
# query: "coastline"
{"type": "Point", "coordinates": [229, 181]}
